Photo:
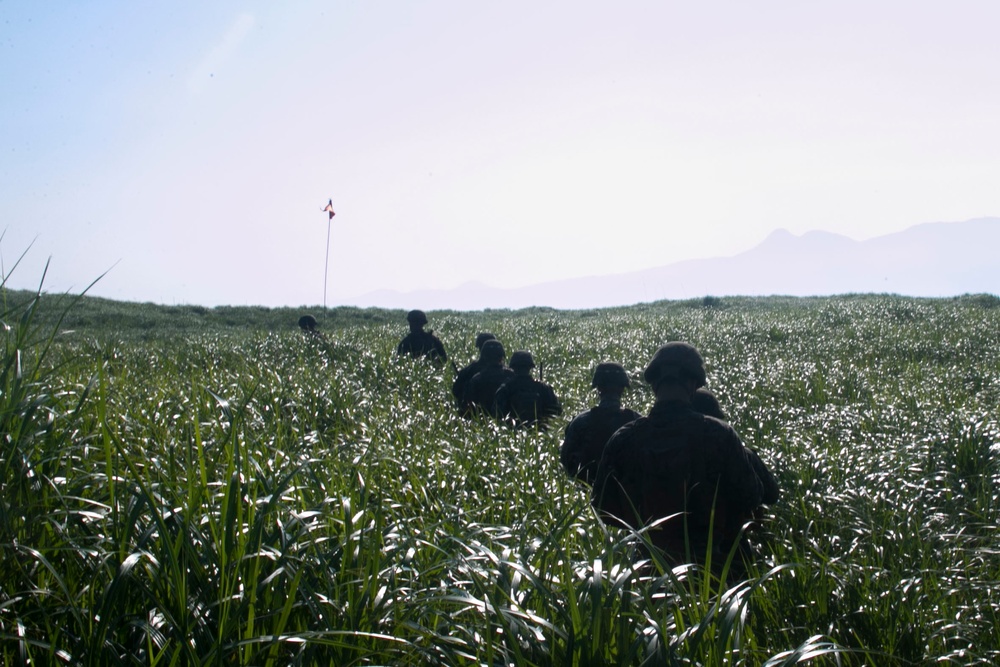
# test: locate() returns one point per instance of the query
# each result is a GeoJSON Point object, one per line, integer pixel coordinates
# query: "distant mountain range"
{"type": "Point", "coordinates": [933, 259]}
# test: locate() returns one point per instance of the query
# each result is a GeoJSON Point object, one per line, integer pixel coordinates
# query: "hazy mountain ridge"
{"type": "Point", "coordinates": [930, 259]}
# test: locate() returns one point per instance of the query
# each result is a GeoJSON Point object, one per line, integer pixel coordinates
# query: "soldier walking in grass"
{"type": "Point", "coordinates": [524, 400]}
{"type": "Point", "coordinates": [587, 434]}
{"type": "Point", "coordinates": [308, 323]}
{"type": "Point", "coordinates": [310, 327]}
{"type": "Point", "coordinates": [685, 476]}
{"type": "Point", "coordinates": [419, 343]}
{"type": "Point", "coordinates": [464, 376]}
{"type": "Point", "coordinates": [480, 393]}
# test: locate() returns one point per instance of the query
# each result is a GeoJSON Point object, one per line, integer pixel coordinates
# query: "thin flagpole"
{"type": "Point", "coordinates": [326, 266]}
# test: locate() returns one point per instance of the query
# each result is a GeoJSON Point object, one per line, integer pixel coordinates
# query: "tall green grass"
{"type": "Point", "coordinates": [233, 492]}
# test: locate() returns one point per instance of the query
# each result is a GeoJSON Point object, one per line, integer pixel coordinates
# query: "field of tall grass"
{"type": "Point", "coordinates": [187, 486]}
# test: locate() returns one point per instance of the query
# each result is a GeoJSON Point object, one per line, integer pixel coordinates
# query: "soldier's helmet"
{"type": "Point", "coordinates": [416, 317]}
{"type": "Point", "coordinates": [610, 375]}
{"type": "Point", "coordinates": [679, 360]}
{"type": "Point", "coordinates": [482, 338]}
{"type": "Point", "coordinates": [492, 351]}
{"type": "Point", "coordinates": [521, 359]}
{"type": "Point", "coordinates": [706, 403]}
{"type": "Point", "coordinates": [307, 323]}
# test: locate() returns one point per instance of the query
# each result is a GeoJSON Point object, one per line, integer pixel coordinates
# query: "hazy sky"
{"type": "Point", "coordinates": [190, 147]}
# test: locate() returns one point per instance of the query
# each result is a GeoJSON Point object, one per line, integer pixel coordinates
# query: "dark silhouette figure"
{"type": "Point", "coordinates": [482, 337]}
{"type": "Point", "coordinates": [310, 328]}
{"type": "Point", "coordinates": [480, 393]}
{"type": "Point", "coordinates": [308, 323]}
{"type": "Point", "coordinates": [464, 376]}
{"type": "Point", "coordinates": [685, 475]}
{"type": "Point", "coordinates": [524, 400]}
{"type": "Point", "coordinates": [587, 434]}
{"type": "Point", "coordinates": [419, 343]}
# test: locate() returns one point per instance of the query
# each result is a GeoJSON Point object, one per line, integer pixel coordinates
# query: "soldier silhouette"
{"type": "Point", "coordinates": [464, 376]}
{"type": "Point", "coordinates": [419, 343]}
{"type": "Point", "coordinates": [587, 434]}
{"type": "Point", "coordinates": [523, 400]}
{"type": "Point", "coordinates": [683, 476]}
{"type": "Point", "coordinates": [480, 394]}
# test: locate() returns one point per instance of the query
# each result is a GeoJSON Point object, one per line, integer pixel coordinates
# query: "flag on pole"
{"type": "Point", "coordinates": [329, 209]}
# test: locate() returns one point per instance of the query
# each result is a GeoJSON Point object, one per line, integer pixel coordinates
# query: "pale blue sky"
{"type": "Point", "coordinates": [190, 147]}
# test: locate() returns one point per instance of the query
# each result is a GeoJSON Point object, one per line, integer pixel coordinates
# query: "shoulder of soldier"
{"type": "Point", "coordinates": [508, 382]}
{"type": "Point", "coordinates": [516, 382]}
{"type": "Point", "coordinates": [723, 436]}
{"type": "Point", "coordinates": [577, 424]}
{"type": "Point", "coordinates": [622, 440]}
{"type": "Point", "coordinates": [717, 426]}
{"type": "Point", "coordinates": [623, 417]}
{"type": "Point", "coordinates": [545, 387]}
{"type": "Point", "coordinates": [501, 376]}
{"type": "Point", "coordinates": [629, 430]}
{"type": "Point", "coordinates": [581, 421]}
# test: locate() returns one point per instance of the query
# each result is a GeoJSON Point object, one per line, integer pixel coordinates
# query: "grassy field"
{"type": "Point", "coordinates": [189, 486]}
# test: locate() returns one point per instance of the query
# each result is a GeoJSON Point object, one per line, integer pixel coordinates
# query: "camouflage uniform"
{"type": "Point", "coordinates": [524, 399]}
{"type": "Point", "coordinates": [464, 376]}
{"type": "Point", "coordinates": [481, 392]}
{"type": "Point", "coordinates": [420, 343]}
{"type": "Point", "coordinates": [677, 460]}
{"type": "Point", "coordinates": [310, 327]}
{"type": "Point", "coordinates": [587, 434]}
{"type": "Point", "coordinates": [527, 401]}
{"type": "Point", "coordinates": [585, 437]}
{"type": "Point", "coordinates": [685, 471]}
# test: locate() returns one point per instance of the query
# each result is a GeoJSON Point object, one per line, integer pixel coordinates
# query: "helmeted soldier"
{"type": "Point", "coordinates": [463, 376]}
{"type": "Point", "coordinates": [481, 391]}
{"type": "Point", "coordinates": [587, 434]}
{"type": "Point", "coordinates": [524, 400]}
{"type": "Point", "coordinates": [482, 337]}
{"type": "Point", "coordinates": [419, 343]}
{"type": "Point", "coordinates": [310, 327]}
{"type": "Point", "coordinates": [307, 323]}
{"type": "Point", "coordinates": [687, 474]}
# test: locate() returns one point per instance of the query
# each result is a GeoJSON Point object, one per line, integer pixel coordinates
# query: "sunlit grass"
{"type": "Point", "coordinates": [248, 495]}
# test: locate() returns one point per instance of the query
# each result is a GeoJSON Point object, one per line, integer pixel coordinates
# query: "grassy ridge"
{"type": "Point", "coordinates": [209, 486]}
